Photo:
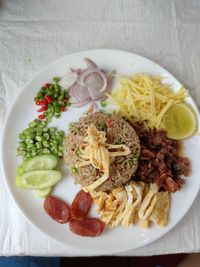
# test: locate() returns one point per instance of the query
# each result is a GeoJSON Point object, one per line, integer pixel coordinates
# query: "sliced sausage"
{"type": "Point", "coordinates": [57, 209]}
{"type": "Point", "coordinates": [87, 227]}
{"type": "Point", "coordinates": [81, 205]}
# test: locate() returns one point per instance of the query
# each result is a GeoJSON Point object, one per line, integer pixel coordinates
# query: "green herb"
{"type": "Point", "coordinates": [73, 128]}
{"type": "Point", "coordinates": [56, 79]}
{"type": "Point", "coordinates": [52, 100]}
{"type": "Point", "coordinates": [130, 162]}
{"type": "Point", "coordinates": [136, 156]}
{"type": "Point", "coordinates": [103, 104]}
{"type": "Point", "coordinates": [78, 152]}
{"type": "Point", "coordinates": [119, 141]}
{"type": "Point", "coordinates": [71, 125]}
{"type": "Point", "coordinates": [74, 170]}
{"type": "Point", "coordinates": [102, 126]}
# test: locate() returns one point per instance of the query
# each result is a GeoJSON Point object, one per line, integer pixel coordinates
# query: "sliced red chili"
{"type": "Point", "coordinates": [38, 102]}
{"type": "Point", "coordinates": [44, 102]}
{"type": "Point", "coordinates": [41, 117]}
{"type": "Point", "coordinates": [47, 85]}
{"type": "Point", "coordinates": [42, 109]}
{"type": "Point", "coordinates": [66, 100]}
{"type": "Point", "coordinates": [109, 123]}
{"type": "Point", "coordinates": [62, 109]}
{"type": "Point", "coordinates": [48, 98]}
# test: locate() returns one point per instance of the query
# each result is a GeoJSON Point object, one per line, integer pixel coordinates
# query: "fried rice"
{"type": "Point", "coordinates": [121, 168]}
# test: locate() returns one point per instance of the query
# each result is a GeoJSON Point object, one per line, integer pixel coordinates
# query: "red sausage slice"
{"type": "Point", "coordinates": [81, 205]}
{"type": "Point", "coordinates": [86, 227]}
{"type": "Point", "coordinates": [57, 209]}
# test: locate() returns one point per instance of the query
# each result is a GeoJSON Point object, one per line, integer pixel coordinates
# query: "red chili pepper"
{"type": "Point", "coordinates": [66, 100]}
{"type": "Point", "coordinates": [42, 109]}
{"type": "Point", "coordinates": [38, 102]}
{"type": "Point", "coordinates": [62, 109]}
{"type": "Point", "coordinates": [48, 98]}
{"type": "Point", "coordinates": [47, 85]}
{"type": "Point", "coordinates": [44, 102]}
{"type": "Point", "coordinates": [41, 117]}
{"type": "Point", "coordinates": [109, 123]}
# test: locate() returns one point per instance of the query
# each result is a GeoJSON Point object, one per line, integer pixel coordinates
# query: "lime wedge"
{"type": "Point", "coordinates": [180, 121]}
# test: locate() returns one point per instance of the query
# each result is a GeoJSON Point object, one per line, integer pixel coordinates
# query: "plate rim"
{"type": "Point", "coordinates": [3, 132]}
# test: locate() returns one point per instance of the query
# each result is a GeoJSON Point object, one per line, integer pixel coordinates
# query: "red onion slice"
{"type": "Point", "coordinates": [91, 84]}
{"type": "Point", "coordinates": [68, 80]}
{"type": "Point", "coordinates": [82, 103]}
{"type": "Point", "coordinates": [94, 84]}
{"type": "Point", "coordinates": [90, 63]}
{"type": "Point", "coordinates": [87, 72]}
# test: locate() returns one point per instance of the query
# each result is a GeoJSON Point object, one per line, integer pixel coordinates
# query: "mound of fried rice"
{"type": "Point", "coordinates": [121, 168]}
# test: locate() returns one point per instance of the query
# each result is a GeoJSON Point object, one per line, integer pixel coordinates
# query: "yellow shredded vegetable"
{"type": "Point", "coordinates": [145, 99]}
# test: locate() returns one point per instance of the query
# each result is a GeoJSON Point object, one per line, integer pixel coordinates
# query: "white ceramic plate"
{"type": "Point", "coordinates": [24, 111]}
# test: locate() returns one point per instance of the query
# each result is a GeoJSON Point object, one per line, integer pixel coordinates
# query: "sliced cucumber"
{"type": "Point", "coordinates": [44, 162]}
{"type": "Point", "coordinates": [18, 182]}
{"type": "Point", "coordinates": [39, 179]}
{"type": "Point", "coordinates": [44, 192]}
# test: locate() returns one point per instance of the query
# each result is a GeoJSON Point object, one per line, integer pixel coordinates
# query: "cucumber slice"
{"type": "Point", "coordinates": [44, 192]}
{"type": "Point", "coordinates": [44, 162]}
{"type": "Point", "coordinates": [39, 179]}
{"type": "Point", "coordinates": [18, 182]}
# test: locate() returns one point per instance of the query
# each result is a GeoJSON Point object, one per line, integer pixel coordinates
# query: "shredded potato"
{"type": "Point", "coordinates": [144, 98]}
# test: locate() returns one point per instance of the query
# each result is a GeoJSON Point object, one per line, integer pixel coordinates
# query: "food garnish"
{"type": "Point", "coordinates": [38, 179]}
{"type": "Point", "coordinates": [42, 193]}
{"type": "Point", "coordinates": [38, 139]}
{"type": "Point", "coordinates": [37, 173]}
{"type": "Point", "coordinates": [97, 152]}
{"type": "Point", "coordinates": [145, 99]}
{"type": "Point", "coordinates": [87, 85]}
{"type": "Point", "coordinates": [44, 162]}
{"type": "Point", "coordinates": [180, 121]}
{"type": "Point", "coordinates": [52, 100]}
{"type": "Point", "coordinates": [133, 203]}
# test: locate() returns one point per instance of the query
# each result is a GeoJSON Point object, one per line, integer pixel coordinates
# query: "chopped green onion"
{"type": "Point", "coordinates": [102, 126]}
{"type": "Point", "coordinates": [56, 79]}
{"type": "Point", "coordinates": [78, 152]}
{"type": "Point", "coordinates": [136, 156]}
{"type": "Point", "coordinates": [74, 170]}
{"type": "Point", "coordinates": [119, 141]}
{"type": "Point", "coordinates": [103, 104]}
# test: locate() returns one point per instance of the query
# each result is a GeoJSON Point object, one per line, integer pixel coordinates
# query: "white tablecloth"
{"type": "Point", "coordinates": [34, 33]}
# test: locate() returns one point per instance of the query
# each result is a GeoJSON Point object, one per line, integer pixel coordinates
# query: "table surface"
{"type": "Point", "coordinates": [35, 33]}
